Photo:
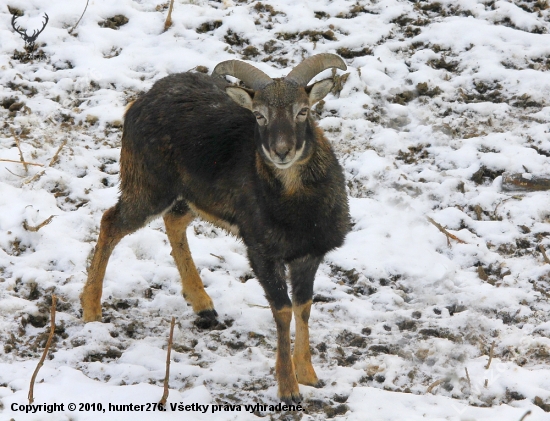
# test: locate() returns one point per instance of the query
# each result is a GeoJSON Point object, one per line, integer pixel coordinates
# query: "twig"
{"type": "Point", "coordinates": [52, 161]}
{"type": "Point", "coordinates": [167, 375]}
{"type": "Point", "coordinates": [81, 16]}
{"type": "Point", "coordinates": [18, 143]}
{"type": "Point", "coordinates": [543, 251]}
{"type": "Point", "coordinates": [525, 415]}
{"type": "Point", "coordinates": [36, 228]}
{"type": "Point", "coordinates": [22, 162]}
{"type": "Point", "coordinates": [34, 177]}
{"type": "Point", "coordinates": [48, 343]}
{"type": "Point", "coordinates": [434, 384]}
{"type": "Point", "coordinates": [12, 173]}
{"type": "Point", "coordinates": [468, 378]}
{"type": "Point", "coordinates": [447, 233]}
{"type": "Point", "coordinates": [168, 22]}
{"type": "Point", "coordinates": [491, 351]}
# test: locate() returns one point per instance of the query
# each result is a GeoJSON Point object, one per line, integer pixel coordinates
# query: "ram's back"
{"type": "Point", "coordinates": [187, 137]}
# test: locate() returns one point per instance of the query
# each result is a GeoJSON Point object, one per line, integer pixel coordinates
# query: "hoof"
{"type": "Point", "coordinates": [305, 374]}
{"type": "Point", "coordinates": [294, 398]}
{"type": "Point", "coordinates": [319, 384]}
{"type": "Point", "coordinates": [208, 314]}
{"type": "Point", "coordinates": [208, 320]}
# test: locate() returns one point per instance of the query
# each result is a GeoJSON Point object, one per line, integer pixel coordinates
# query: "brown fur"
{"type": "Point", "coordinates": [109, 236]}
{"type": "Point", "coordinates": [302, 354]}
{"type": "Point", "coordinates": [284, 369]}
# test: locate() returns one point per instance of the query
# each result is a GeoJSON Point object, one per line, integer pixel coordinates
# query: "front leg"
{"type": "Point", "coordinates": [302, 275]}
{"type": "Point", "coordinates": [271, 275]}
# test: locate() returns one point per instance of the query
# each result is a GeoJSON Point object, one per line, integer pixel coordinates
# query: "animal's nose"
{"type": "Point", "coordinates": [282, 153]}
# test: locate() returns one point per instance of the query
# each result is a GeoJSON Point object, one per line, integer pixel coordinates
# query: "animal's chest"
{"type": "Point", "coordinates": [288, 231]}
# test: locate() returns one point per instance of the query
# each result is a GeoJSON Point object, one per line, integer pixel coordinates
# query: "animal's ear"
{"type": "Point", "coordinates": [319, 90]}
{"type": "Point", "coordinates": [241, 96]}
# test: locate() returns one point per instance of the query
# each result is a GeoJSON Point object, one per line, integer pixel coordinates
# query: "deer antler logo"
{"type": "Point", "coordinates": [29, 39]}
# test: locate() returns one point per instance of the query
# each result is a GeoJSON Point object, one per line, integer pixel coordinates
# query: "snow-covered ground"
{"type": "Point", "coordinates": [440, 99]}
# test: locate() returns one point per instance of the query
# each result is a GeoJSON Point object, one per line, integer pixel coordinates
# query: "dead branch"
{"type": "Point", "coordinates": [18, 143]}
{"type": "Point", "coordinates": [48, 343]}
{"type": "Point", "coordinates": [447, 233]}
{"type": "Point", "coordinates": [167, 375]}
{"type": "Point", "coordinates": [543, 251]}
{"type": "Point", "coordinates": [524, 182]}
{"type": "Point", "coordinates": [22, 162]}
{"type": "Point", "coordinates": [37, 227]}
{"type": "Point", "coordinates": [468, 378]}
{"type": "Point", "coordinates": [81, 16]}
{"type": "Point", "coordinates": [434, 384]}
{"type": "Point", "coordinates": [525, 415]}
{"type": "Point", "coordinates": [52, 161]}
{"type": "Point", "coordinates": [168, 22]}
{"type": "Point", "coordinates": [491, 353]}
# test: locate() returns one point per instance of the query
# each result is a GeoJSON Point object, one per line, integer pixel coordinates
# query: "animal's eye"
{"type": "Point", "coordinates": [258, 115]}
{"type": "Point", "coordinates": [303, 111]}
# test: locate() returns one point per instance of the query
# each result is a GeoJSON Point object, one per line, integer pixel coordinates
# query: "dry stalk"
{"type": "Point", "coordinates": [36, 228]}
{"type": "Point", "coordinates": [468, 378]}
{"type": "Point", "coordinates": [34, 177]}
{"type": "Point", "coordinates": [52, 161]}
{"type": "Point", "coordinates": [167, 375]}
{"type": "Point", "coordinates": [447, 233]}
{"type": "Point", "coordinates": [525, 415]}
{"type": "Point", "coordinates": [168, 22]}
{"type": "Point", "coordinates": [81, 16]}
{"type": "Point", "coordinates": [434, 384]}
{"type": "Point", "coordinates": [18, 143]}
{"type": "Point", "coordinates": [219, 257]}
{"type": "Point", "coordinates": [12, 173]}
{"type": "Point", "coordinates": [543, 251]}
{"type": "Point", "coordinates": [491, 353]}
{"type": "Point", "coordinates": [48, 343]}
{"type": "Point", "coordinates": [22, 162]}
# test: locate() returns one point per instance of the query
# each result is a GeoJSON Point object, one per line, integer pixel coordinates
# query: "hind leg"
{"type": "Point", "coordinates": [115, 224]}
{"type": "Point", "coordinates": [176, 222]}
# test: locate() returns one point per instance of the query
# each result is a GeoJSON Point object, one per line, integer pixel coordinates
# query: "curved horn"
{"type": "Point", "coordinates": [312, 66]}
{"type": "Point", "coordinates": [250, 76]}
